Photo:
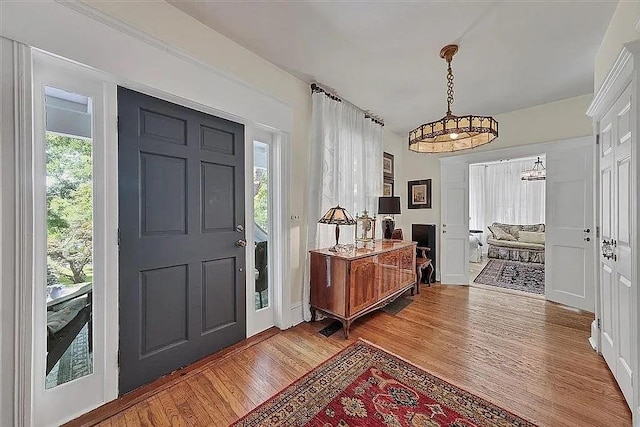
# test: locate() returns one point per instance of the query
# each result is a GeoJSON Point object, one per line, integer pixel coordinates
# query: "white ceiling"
{"type": "Point", "coordinates": [384, 56]}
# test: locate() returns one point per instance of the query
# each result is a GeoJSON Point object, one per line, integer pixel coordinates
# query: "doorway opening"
{"type": "Point", "coordinates": [507, 225]}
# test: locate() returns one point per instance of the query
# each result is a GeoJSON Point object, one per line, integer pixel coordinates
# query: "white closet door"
{"type": "Point", "coordinates": [606, 264]}
{"type": "Point", "coordinates": [455, 224]}
{"type": "Point", "coordinates": [616, 258]}
{"type": "Point", "coordinates": [569, 228]}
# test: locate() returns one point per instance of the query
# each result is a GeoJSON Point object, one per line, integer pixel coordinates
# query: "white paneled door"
{"type": "Point", "coordinates": [615, 242]}
{"type": "Point", "coordinates": [570, 234]}
{"type": "Point", "coordinates": [455, 224]}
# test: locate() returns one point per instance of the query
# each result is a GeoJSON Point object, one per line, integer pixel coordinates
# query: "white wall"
{"type": "Point", "coordinates": [397, 146]}
{"type": "Point", "coordinates": [543, 123]}
{"type": "Point", "coordinates": [622, 29]}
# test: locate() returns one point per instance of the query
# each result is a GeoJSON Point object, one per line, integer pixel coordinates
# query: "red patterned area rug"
{"type": "Point", "coordinates": [366, 386]}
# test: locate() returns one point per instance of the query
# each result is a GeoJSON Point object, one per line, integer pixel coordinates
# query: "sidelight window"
{"type": "Point", "coordinates": [69, 231]}
{"type": "Point", "coordinates": [262, 220]}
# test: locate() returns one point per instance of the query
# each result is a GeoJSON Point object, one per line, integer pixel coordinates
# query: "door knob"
{"type": "Point", "coordinates": [241, 243]}
{"type": "Point", "coordinates": [587, 239]}
{"type": "Point", "coordinates": [587, 230]}
{"type": "Point", "coordinates": [607, 249]}
{"type": "Point", "coordinates": [444, 231]}
{"type": "Point", "coordinates": [239, 228]}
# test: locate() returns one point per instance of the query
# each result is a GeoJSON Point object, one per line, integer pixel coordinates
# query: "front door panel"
{"type": "Point", "coordinates": [182, 276]}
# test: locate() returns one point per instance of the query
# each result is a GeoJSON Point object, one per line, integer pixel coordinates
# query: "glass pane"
{"type": "Point", "coordinates": [69, 191]}
{"type": "Point", "coordinates": [261, 221]}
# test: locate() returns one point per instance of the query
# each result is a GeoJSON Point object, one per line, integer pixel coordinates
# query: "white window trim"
{"type": "Point", "coordinates": [23, 415]}
{"type": "Point", "coordinates": [101, 385]}
{"type": "Point", "coordinates": [278, 231]}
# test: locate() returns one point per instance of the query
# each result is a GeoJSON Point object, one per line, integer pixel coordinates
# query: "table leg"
{"type": "Point", "coordinates": [431, 271]}
{"type": "Point", "coordinates": [345, 328]}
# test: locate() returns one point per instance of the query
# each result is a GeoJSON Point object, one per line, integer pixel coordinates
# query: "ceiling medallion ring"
{"type": "Point", "coordinates": [452, 133]}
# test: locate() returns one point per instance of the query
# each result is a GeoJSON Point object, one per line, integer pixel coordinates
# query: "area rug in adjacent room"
{"type": "Point", "coordinates": [520, 276]}
{"type": "Point", "coordinates": [366, 386]}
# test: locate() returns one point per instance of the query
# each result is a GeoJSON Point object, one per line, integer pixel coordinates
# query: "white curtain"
{"type": "Point", "coordinates": [497, 194]}
{"type": "Point", "coordinates": [477, 196]}
{"type": "Point", "coordinates": [345, 169]}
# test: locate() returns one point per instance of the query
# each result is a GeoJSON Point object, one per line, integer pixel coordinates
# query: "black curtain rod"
{"type": "Point", "coordinates": [317, 89]}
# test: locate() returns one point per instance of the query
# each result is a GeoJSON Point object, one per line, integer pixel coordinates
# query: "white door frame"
{"type": "Point", "coordinates": [507, 153]}
{"type": "Point", "coordinates": [24, 378]}
{"type": "Point", "coordinates": [624, 72]}
{"type": "Point", "coordinates": [278, 232]}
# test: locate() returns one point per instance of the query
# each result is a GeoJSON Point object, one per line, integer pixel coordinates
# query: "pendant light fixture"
{"type": "Point", "coordinates": [452, 133]}
{"type": "Point", "coordinates": [536, 173]}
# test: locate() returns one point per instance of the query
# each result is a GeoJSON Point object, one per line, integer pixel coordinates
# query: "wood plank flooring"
{"type": "Point", "coordinates": [526, 355]}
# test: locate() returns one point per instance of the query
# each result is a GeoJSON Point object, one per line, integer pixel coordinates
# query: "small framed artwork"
{"type": "Point", "coordinates": [419, 196]}
{"type": "Point", "coordinates": [387, 187]}
{"type": "Point", "coordinates": [387, 165]}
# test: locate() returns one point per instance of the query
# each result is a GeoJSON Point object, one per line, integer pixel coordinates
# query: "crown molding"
{"type": "Point", "coordinates": [616, 80]}
{"type": "Point", "coordinates": [104, 18]}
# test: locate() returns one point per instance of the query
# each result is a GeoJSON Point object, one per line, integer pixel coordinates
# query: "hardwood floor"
{"type": "Point", "coordinates": [526, 355]}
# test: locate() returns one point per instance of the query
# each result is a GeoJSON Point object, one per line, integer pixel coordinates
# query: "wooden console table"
{"type": "Point", "coordinates": [348, 286]}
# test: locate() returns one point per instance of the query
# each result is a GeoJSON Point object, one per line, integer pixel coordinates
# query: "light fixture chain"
{"type": "Point", "coordinates": [449, 88]}
{"type": "Point", "coordinates": [454, 133]}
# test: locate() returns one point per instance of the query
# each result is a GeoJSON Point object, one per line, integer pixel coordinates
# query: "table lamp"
{"type": "Point", "coordinates": [338, 216]}
{"type": "Point", "coordinates": [388, 206]}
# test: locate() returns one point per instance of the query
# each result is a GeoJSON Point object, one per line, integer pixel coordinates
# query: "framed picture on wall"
{"type": "Point", "coordinates": [387, 165]}
{"type": "Point", "coordinates": [387, 187]}
{"type": "Point", "coordinates": [419, 196]}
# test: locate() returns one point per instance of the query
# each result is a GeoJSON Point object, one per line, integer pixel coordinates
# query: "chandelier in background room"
{"type": "Point", "coordinates": [452, 133]}
{"type": "Point", "coordinates": [536, 173]}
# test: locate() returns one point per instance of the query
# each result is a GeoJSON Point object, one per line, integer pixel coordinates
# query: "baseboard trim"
{"type": "Point", "coordinates": [296, 314]}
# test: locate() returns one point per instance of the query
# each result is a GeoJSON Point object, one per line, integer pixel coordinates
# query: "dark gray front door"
{"type": "Point", "coordinates": [181, 212]}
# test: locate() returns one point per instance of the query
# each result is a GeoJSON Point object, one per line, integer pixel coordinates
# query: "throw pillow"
{"type": "Point", "coordinates": [532, 237]}
{"type": "Point", "coordinates": [509, 228]}
{"type": "Point", "coordinates": [500, 234]}
{"type": "Point", "coordinates": [531, 227]}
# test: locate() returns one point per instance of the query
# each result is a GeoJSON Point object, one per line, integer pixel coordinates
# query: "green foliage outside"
{"type": "Point", "coordinates": [69, 210]}
{"type": "Point", "coordinates": [261, 198]}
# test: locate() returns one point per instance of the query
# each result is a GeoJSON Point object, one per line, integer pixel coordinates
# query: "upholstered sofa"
{"type": "Point", "coordinates": [516, 242]}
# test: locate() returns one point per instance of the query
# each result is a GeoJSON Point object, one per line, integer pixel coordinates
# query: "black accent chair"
{"type": "Point", "coordinates": [262, 281]}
